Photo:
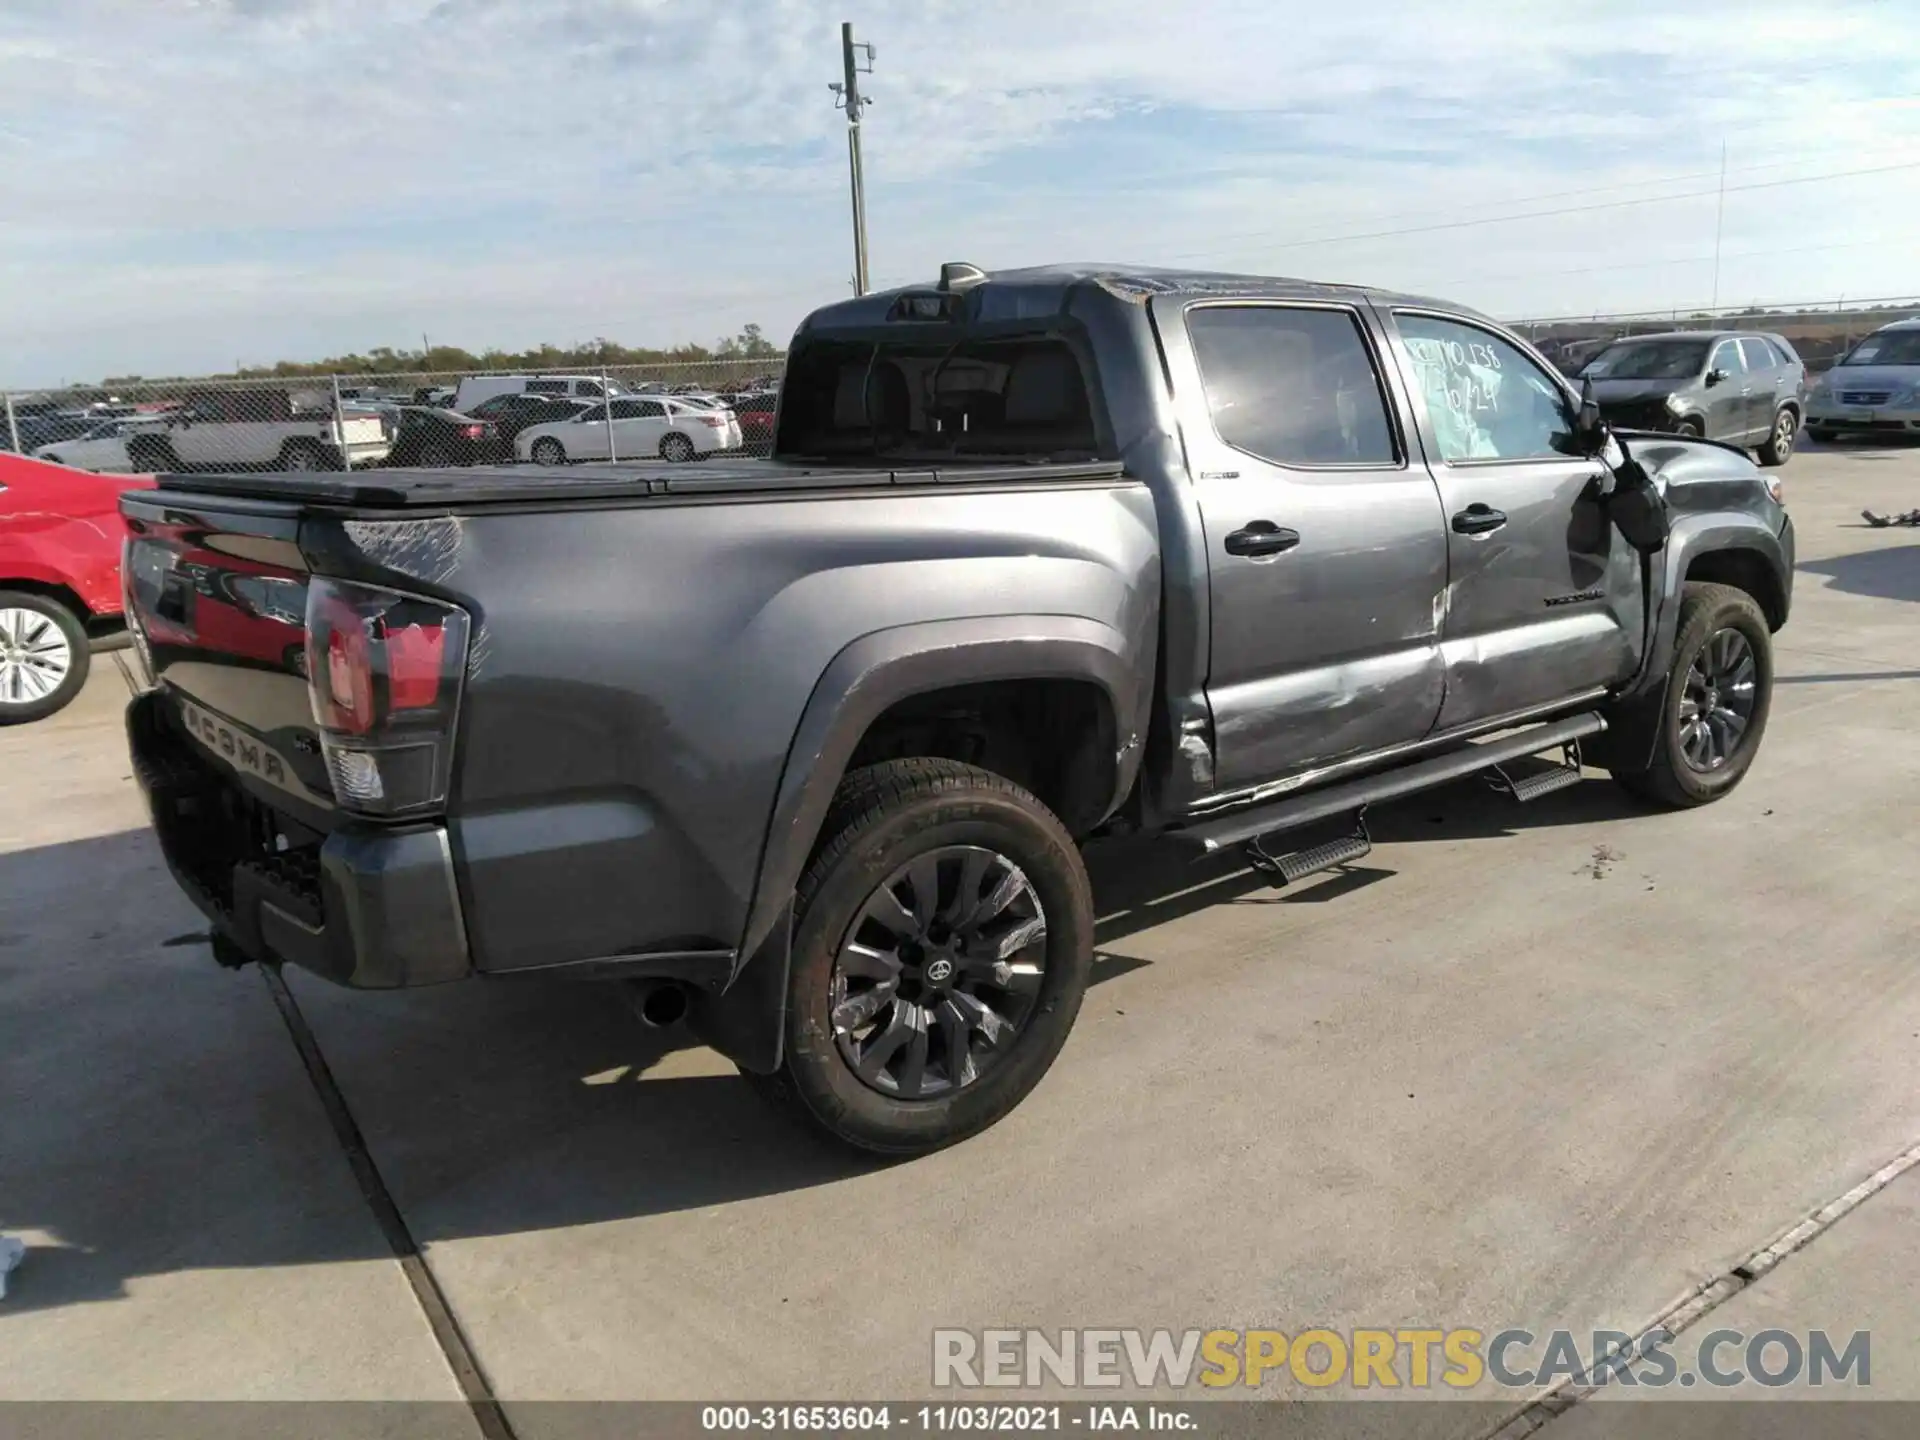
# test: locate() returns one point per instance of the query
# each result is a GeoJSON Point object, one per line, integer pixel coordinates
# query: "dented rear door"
{"type": "Point", "coordinates": [1326, 551]}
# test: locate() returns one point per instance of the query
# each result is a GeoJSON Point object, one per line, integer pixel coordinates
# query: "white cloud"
{"type": "Point", "coordinates": [196, 182]}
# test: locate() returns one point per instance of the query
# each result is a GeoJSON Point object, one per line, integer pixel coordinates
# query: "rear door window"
{"type": "Point", "coordinates": [1293, 385]}
{"type": "Point", "coordinates": [1758, 354]}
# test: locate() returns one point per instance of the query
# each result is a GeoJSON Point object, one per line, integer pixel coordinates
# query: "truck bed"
{"type": "Point", "coordinates": [436, 489]}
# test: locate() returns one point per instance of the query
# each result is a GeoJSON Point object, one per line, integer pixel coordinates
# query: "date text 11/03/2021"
{"type": "Point", "coordinates": [942, 1419]}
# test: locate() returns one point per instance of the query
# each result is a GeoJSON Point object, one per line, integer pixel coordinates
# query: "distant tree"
{"type": "Point", "coordinates": [750, 344]}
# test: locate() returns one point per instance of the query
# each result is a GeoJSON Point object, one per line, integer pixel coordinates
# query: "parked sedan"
{"type": "Point", "coordinates": [431, 437]}
{"type": "Point", "coordinates": [1746, 389]}
{"type": "Point", "coordinates": [510, 414]}
{"type": "Point", "coordinates": [103, 448]}
{"type": "Point", "coordinates": [755, 414]}
{"type": "Point", "coordinates": [640, 429]}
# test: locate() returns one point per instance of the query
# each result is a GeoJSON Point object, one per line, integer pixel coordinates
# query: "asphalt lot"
{"type": "Point", "coordinates": [1549, 1067]}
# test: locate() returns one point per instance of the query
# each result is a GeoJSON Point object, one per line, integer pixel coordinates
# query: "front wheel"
{"type": "Point", "coordinates": [1714, 707]}
{"type": "Point", "coordinates": [43, 657]}
{"type": "Point", "coordinates": [943, 941]}
{"type": "Point", "coordinates": [1779, 446]}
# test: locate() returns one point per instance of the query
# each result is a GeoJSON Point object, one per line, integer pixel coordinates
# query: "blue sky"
{"type": "Point", "coordinates": [195, 182]}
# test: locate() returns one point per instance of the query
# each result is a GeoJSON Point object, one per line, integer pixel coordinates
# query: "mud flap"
{"type": "Point", "coordinates": [747, 1021]}
{"type": "Point", "coordinates": [1639, 511]}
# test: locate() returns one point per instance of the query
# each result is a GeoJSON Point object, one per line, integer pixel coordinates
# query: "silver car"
{"type": "Point", "coordinates": [1873, 389]}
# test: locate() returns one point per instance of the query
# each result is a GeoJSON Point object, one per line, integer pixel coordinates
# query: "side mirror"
{"type": "Point", "coordinates": [1590, 429]}
{"type": "Point", "coordinates": [1714, 377]}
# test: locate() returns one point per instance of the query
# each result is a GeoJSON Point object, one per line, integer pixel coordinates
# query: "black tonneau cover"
{"type": "Point", "coordinates": [408, 489]}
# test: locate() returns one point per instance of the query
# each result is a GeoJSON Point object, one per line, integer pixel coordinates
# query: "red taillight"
{"type": "Point", "coordinates": [473, 432]}
{"type": "Point", "coordinates": [713, 422]}
{"type": "Point", "coordinates": [415, 657]}
{"type": "Point", "coordinates": [384, 672]}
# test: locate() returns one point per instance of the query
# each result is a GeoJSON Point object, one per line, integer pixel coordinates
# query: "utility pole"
{"type": "Point", "coordinates": [850, 100]}
{"type": "Point", "coordinates": [1719, 218]}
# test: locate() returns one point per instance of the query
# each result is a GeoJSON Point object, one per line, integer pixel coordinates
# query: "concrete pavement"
{"type": "Point", "coordinates": [1546, 1067]}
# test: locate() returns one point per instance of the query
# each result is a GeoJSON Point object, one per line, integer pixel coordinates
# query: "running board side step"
{"type": "Point", "coordinates": [1563, 776]}
{"type": "Point", "coordinates": [1353, 796]}
{"type": "Point", "coordinates": [1298, 864]}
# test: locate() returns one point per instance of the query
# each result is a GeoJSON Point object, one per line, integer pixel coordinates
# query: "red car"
{"type": "Point", "coordinates": [60, 538]}
{"type": "Point", "coordinates": [755, 414]}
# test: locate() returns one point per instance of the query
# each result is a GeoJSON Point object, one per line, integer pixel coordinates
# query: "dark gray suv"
{"type": "Point", "coordinates": [1744, 388]}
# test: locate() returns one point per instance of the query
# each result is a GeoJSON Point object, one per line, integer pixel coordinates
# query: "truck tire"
{"type": "Point", "coordinates": [43, 656]}
{"type": "Point", "coordinates": [1722, 666]}
{"type": "Point", "coordinates": [306, 455]}
{"type": "Point", "coordinates": [943, 937]}
{"type": "Point", "coordinates": [1779, 447]}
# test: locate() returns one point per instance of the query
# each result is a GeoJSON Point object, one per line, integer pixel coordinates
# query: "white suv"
{"type": "Point", "coordinates": [476, 388]}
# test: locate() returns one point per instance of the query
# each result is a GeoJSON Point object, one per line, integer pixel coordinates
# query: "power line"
{"type": "Point", "coordinates": [1662, 264]}
{"type": "Point", "coordinates": [1559, 210]}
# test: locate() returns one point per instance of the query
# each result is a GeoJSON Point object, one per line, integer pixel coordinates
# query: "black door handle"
{"type": "Point", "coordinates": [1262, 537]}
{"type": "Point", "coordinates": [1478, 519]}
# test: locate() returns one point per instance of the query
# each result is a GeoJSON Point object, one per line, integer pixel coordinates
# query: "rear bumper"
{"type": "Point", "coordinates": [374, 908]}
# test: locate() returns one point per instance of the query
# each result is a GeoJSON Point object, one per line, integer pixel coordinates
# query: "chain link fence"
{"type": "Point", "coordinates": [671, 412]}
{"type": "Point", "coordinates": [1821, 333]}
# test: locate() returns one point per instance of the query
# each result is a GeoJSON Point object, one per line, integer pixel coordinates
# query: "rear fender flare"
{"type": "Point", "coordinates": [887, 666]}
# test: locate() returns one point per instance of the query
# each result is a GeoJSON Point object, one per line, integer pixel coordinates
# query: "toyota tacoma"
{"type": "Point", "coordinates": [805, 747]}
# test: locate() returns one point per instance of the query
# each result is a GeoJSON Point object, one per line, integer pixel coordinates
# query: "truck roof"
{"type": "Point", "coordinates": [1042, 289]}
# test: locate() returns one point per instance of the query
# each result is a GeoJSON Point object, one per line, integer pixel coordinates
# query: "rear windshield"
{"type": "Point", "coordinates": [1023, 396]}
{"type": "Point", "coordinates": [1889, 347]}
{"type": "Point", "coordinates": [1648, 360]}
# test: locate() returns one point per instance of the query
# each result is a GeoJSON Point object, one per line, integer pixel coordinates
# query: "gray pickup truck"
{"type": "Point", "coordinates": [803, 748]}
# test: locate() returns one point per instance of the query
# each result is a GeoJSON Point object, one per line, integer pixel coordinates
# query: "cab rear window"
{"type": "Point", "coordinates": [999, 397]}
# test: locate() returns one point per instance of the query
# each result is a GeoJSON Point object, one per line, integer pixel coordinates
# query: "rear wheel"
{"type": "Point", "coordinates": [304, 455]}
{"type": "Point", "coordinates": [676, 448]}
{"type": "Point", "coordinates": [43, 657]}
{"type": "Point", "coordinates": [1692, 428]}
{"type": "Point", "coordinates": [942, 946]}
{"type": "Point", "coordinates": [549, 451]}
{"type": "Point", "coordinates": [1713, 711]}
{"type": "Point", "coordinates": [1779, 446]}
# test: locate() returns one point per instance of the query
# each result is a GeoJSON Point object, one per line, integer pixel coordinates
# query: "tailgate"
{"type": "Point", "coordinates": [216, 599]}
